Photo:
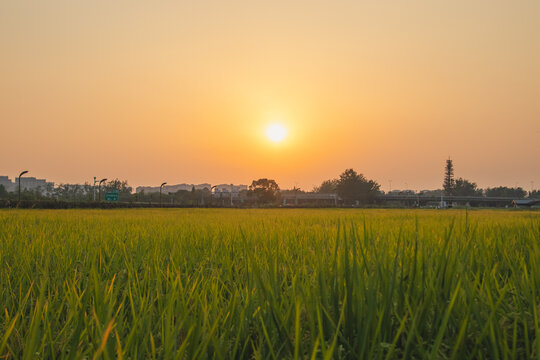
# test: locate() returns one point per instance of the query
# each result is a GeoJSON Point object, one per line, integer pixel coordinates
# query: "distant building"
{"type": "Point", "coordinates": [31, 183]}
{"type": "Point", "coordinates": [27, 183]}
{"type": "Point", "coordinates": [518, 203]}
{"type": "Point", "coordinates": [7, 183]}
{"type": "Point", "coordinates": [228, 190]}
{"type": "Point", "coordinates": [226, 193]}
{"type": "Point", "coordinates": [169, 189]}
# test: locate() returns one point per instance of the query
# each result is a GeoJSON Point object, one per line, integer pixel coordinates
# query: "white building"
{"type": "Point", "coordinates": [172, 188]}
{"type": "Point", "coordinates": [225, 190]}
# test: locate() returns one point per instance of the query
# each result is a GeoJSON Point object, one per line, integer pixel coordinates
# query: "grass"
{"type": "Point", "coordinates": [269, 284]}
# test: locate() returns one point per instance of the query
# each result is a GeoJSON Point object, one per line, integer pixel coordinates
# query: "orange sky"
{"type": "Point", "coordinates": [181, 91]}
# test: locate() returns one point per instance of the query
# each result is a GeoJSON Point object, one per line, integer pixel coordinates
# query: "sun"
{"type": "Point", "coordinates": [276, 132]}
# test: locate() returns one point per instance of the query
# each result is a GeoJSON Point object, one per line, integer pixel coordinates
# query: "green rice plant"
{"type": "Point", "coordinates": [269, 284]}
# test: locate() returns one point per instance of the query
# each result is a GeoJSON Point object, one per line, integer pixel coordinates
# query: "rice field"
{"type": "Point", "coordinates": [269, 284]}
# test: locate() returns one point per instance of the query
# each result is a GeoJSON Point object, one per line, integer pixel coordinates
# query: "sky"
{"type": "Point", "coordinates": [183, 91]}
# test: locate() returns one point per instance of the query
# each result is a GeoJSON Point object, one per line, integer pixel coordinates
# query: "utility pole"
{"type": "Point", "coordinates": [21, 174]}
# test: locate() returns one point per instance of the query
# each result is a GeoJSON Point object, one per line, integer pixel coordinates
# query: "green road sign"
{"type": "Point", "coordinates": [111, 196]}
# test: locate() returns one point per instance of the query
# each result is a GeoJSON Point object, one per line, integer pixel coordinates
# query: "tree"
{"type": "Point", "coordinates": [295, 191]}
{"type": "Point", "coordinates": [327, 187]}
{"type": "Point", "coordinates": [463, 187]}
{"type": "Point", "coordinates": [535, 194]}
{"type": "Point", "coordinates": [503, 191]}
{"type": "Point", "coordinates": [72, 192]}
{"type": "Point", "coordinates": [352, 186]}
{"type": "Point", "coordinates": [449, 182]}
{"type": "Point", "coordinates": [123, 188]}
{"type": "Point", "coordinates": [264, 190]}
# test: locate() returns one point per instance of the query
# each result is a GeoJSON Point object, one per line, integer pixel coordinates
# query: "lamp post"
{"type": "Point", "coordinates": [99, 188]}
{"type": "Point", "coordinates": [160, 190]}
{"type": "Point", "coordinates": [94, 188]}
{"type": "Point", "coordinates": [211, 196]}
{"type": "Point", "coordinates": [21, 174]}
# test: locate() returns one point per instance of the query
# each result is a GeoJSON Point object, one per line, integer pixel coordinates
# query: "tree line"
{"type": "Point", "coordinates": [351, 187]}
{"type": "Point", "coordinates": [464, 187]}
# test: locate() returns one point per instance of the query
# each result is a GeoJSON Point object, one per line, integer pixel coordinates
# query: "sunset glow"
{"type": "Point", "coordinates": [148, 90]}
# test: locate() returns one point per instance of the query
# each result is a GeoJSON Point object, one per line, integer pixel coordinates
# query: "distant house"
{"type": "Point", "coordinates": [525, 202]}
{"type": "Point", "coordinates": [229, 191]}
{"type": "Point", "coordinates": [226, 189]}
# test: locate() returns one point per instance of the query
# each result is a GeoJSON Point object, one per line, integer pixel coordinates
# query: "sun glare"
{"type": "Point", "coordinates": [276, 132]}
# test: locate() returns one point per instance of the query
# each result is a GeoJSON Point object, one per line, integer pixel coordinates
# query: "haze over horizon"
{"type": "Point", "coordinates": [184, 92]}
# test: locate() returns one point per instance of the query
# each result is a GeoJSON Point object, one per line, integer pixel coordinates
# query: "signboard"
{"type": "Point", "coordinates": [111, 196]}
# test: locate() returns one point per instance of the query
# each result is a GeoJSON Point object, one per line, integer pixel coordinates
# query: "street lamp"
{"type": "Point", "coordinates": [99, 188]}
{"type": "Point", "coordinates": [212, 196]}
{"type": "Point", "coordinates": [94, 188]}
{"type": "Point", "coordinates": [160, 190]}
{"type": "Point", "coordinates": [21, 174]}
